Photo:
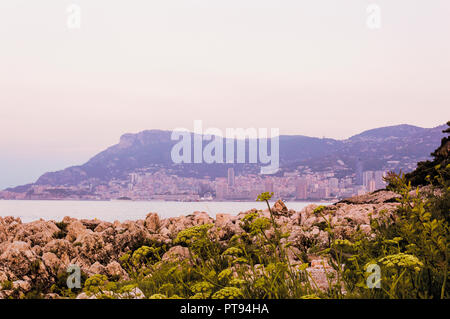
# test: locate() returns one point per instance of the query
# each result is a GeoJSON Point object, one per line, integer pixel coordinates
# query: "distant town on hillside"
{"type": "Point", "coordinates": [139, 168]}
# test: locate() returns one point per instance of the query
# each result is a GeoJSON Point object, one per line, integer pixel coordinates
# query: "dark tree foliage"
{"type": "Point", "coordinates": [427, 170]}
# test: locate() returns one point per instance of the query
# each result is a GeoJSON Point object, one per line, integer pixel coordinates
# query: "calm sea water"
{"type": "Point", "coordinates": [123, 210]}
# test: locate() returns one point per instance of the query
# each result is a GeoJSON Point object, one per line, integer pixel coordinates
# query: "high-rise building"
{"type": "Point", "coordinates": [372, 185]}
{"type": "Point", "coordinates": [379, 181]}
{"type": "Point", "coordinates": [367, 177]}
{"type": "Point", "coordinates": [231, 177]}
{"type": "Point", "coordinates": [373, 176]}
{"type": "Point", "coordinates": [221, 191]}
{"type": "Point", "coordinates": [133, 178]}
{"type": "Point", "coordinates": [359, 172]}
{"type": "Point", "coordinates": [301, 189]}
{"type": "Point", "coordinates": [323, 192]}
{"type": "Point", "coordinates": [333, 183]}
{"type": "Point", "coordinates": [268, 186]}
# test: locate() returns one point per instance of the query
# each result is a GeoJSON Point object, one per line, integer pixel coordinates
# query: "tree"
{"type": "Point", "coordinates": [428, 170]}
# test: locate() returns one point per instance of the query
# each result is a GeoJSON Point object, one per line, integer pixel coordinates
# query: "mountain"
{"type": "Point", "coordinates": [393, 147]}
{"type": "Point", "coordinates": [389, 148]}
{"type": "Point", "coordinates": [389, 132]}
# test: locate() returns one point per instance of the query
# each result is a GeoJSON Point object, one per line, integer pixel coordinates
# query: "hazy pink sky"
{"type": "Point", "coordinates": [307, 67]}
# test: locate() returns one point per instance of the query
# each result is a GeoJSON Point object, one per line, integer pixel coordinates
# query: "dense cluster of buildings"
{"type": "Point", "coordinates": [293, 187]}
{"type": "Point", "coordinates": [161, 185]}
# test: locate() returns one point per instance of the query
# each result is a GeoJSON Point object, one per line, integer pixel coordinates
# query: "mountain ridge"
{"type": "Point", "coordinates": [374, 147]}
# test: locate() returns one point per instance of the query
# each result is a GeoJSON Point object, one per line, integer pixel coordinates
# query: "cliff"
{"type": "Point", "coordinates": [405, 144]}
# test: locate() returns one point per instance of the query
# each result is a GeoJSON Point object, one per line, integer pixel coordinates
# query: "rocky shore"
{"type": "Point", "coordinates": [33, 254]}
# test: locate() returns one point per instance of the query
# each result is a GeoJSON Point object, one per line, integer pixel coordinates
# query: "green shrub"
{"type": "Point", "coordinates": [7, 285]}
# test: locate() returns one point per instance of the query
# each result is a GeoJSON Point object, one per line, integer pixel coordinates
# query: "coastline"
{"type": "Point", "coordinates": [122, 210]}
{"type": "Point", "coordinates": [97, 246]}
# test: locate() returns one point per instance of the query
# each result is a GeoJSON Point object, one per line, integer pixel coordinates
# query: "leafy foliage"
{"type": "Point", "coordinates": [427, 171]}
{"type": "Point", "coordinates": [410, 247]}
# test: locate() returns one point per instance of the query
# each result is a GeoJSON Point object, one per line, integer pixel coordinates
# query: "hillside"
{"type": "Point", "coordinates": [394, 147]}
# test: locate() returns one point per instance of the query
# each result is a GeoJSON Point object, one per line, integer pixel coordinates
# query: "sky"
{"type": "Point", "coordinates": [314, 68]}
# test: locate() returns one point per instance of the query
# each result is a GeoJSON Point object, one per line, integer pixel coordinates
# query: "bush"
{"type": "Point", "coordinates": [411, 248]}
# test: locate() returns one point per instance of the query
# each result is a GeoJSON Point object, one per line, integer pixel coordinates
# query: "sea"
{"type": "Point", "coordinates": [122, 210]}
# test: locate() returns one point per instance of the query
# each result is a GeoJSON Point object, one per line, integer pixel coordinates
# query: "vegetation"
{"type": "Point", "coordinates": [428, 170]}
{"type": "Point", "coordinates": [410, 248]}
{"type": "Point", "coordinates": [251, 265]}
{"type": "Point", "coordinates": [62, 232]}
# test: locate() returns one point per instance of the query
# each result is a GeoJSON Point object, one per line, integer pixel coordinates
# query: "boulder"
{"type": "Point", "coordinates": [377, 197]}
{"type": "Point", "coordinates": [135, 293]}
{"type": "Point", "coordinates": [202, 218]}
{"type": "Point", "coordinates": [97, 268]}
{"type": "Point", "coordinates": [74, 230]}
{"type": "Point", "coordinates": [92, 247]}
{"type": "Point", "coordinates": [152, 222]}
{"type": "Point", "coordinates": [102, 227]}
{"type": "Point", "coordinates": [62, 248]}
{"type": "Point", "coordinates": [83, 295]}
{"type": "Point", "coordinates": [176, 253]}
{"type": "Point", "coordinates": [36, 233]}
{"type": "Point", "coordinates": [114, 269]}
{"type": "Point", "coordinates": [223, 219]}
{"type": "Point", "coordinates": [280, 209]}
{"type": "Point", "coordinates": [18, 258]}
{"type": "Point", "coordinates": [90, 224]}
{"type": "Point", "coordinates": [22, 285]}
{"type": "Point", "coordinates": [52, 262]}
{"type": "Point", "coordinates": [3, 277]}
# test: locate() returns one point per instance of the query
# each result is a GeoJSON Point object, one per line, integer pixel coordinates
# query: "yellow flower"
{"type": "Point", "coordinates": [228, 293]}
{"type": "Point", "coordinates": [403, 261]}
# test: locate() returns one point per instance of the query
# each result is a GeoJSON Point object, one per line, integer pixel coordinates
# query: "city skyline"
{"type": "Point", "coordinates": [29, 179]}
{"type": "Point", "coordinates": [315, 69]}
{"type": "Point", "coordinates": [160, 184]}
